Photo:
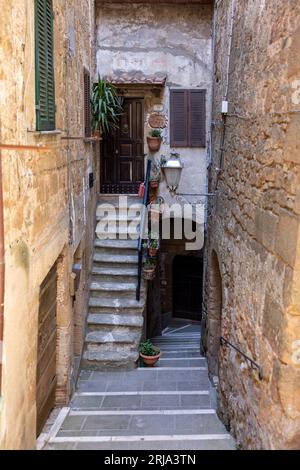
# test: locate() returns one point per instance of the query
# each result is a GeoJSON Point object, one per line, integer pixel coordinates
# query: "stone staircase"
{"type": "Point", "coordinates": [115, 318]}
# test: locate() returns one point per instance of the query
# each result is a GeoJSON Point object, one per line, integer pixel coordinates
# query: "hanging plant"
{"type": "Point", "coordinates": [106, 107]}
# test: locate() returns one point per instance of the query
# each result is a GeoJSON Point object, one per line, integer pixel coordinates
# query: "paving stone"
{"type": "Point", "coordinates": [124, 402]}
{"type": "Point", "coordinates": [86, 402]}
{"type": "Point", "coordinates": [107, 423]}
{"type": "Point", "coordinates": [199, 424]}
{"type": "Point", "coordinates": [160, 401]}
{"type": "Point", "coordinates": [73, 423]}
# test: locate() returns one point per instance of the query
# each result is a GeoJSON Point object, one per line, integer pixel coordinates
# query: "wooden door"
{"type": "Point", "coordinates": [187, 287]}
{"type": "Point", "coordinates": [122, 157]}
{"type": "Point", "coordinates": [46, 353]}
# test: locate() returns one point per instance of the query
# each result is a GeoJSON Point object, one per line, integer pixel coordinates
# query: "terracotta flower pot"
{"type": "Point", "coordinates": [149, 274]}
{"type": "Point", "coordinates": [154, 215]}
{"type": "Point", "coordinates": [154, 184]}
{"type": "Point", "coordinates": [150, 361]}
{"type": "Point", "coordinates": [154, 143]}
{"type": "Point", "coordinates": [152, 252]}
{"type": "Point", "coordinates": [97, 134]}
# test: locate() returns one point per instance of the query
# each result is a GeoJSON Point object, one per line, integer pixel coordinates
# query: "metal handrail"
{"type": "Point", "coordinates": [254, 365]}
{"type": "Point", "coordinates": [141, 238]}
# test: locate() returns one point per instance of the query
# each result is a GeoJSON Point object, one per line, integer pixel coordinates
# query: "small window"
{"type": "Point", "coordinates": [188, 118]}
{"type": "Point", "coordinates": [87, 103]}
{"type": "Point", "coordinates": [44, 66]}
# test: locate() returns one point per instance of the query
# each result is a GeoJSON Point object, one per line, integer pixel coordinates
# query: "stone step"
{"type": "Point", "coordinates": [113, 337]}
{"type": "Point", "coordinates": [95, 359]}
{"type": "Point", "coordinates": [135, 321]}
{"type": "Point", "coordinates": [116, 244]}
{"type": "Point", "coordinates": [115, 305]}
{"type": "Point", "coordinates": [114, 274]}
{"type": "Point", "coordinates": [114, 233]}
{"type": "Point", "coordinates": [141, 401]}
{"type": "Point", "coordinates": [142, 425]}
{"type": "Point", "coordinates": [121, 290]}
{"type": "Point", "coordinates": [116, 260]}
{"type": "Point", "coordinates": [183, 443]}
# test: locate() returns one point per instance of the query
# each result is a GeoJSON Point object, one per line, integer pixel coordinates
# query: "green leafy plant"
{"type": "Point", "coordinates": [153, 241]}
{"type": "Point", "coordinates": [156, 133]}
{"type": "Point", "coordinates": [106, 106]}
{"type": "Point", "coordinates": [149, 264]}
{"type": "Point", "coordinates": [148, 349]}
{"type": "Point", "coordinates": [155, 172]}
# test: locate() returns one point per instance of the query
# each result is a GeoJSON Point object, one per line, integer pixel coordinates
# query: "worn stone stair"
{"type": "Point", "coordinates": [170, 407]}
{"type": "Point", "coordinates": [115, 318]}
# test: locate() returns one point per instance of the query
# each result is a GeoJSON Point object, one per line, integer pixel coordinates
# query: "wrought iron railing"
{"type": "Point", "coordinates": [253, 364]}
{"type": "Point", "coordinates": [141, 238]}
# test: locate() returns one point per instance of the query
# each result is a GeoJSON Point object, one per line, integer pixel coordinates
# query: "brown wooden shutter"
{"type": "Point", "coordinates": [87, 103]}
{"type": "Point", "coordinates": [178, 118]}
{"type": "Point", "coordinates": [188, 118]}
{"type": "Point", "coordinates": [197, 118]}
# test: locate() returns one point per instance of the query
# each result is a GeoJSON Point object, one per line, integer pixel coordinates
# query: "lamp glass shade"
{"type": "Point", "coordinates": [172, 171]}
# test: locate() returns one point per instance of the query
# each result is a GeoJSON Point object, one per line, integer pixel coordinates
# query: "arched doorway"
{"type": "Point", "coordinates": [187, 287]}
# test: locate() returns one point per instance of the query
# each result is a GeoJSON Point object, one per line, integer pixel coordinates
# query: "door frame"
{"type": "Point", "coordinates": [118, 187]}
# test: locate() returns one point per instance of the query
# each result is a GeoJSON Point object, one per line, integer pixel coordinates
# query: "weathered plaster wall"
{"type": "Point", "coordinates": [48, 207]}
{"type": "Point", "coordinates": [254, 222]}
{"type": "Point", "coordinates": [171, 39]}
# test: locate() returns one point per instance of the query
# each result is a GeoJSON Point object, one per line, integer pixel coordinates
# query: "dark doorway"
{"type": "Point", "coordinates": [46, 353]}
{"type": "Point", "coordinates": [187, 287]}
{"type": "Point", "coordinates": [122, 152]}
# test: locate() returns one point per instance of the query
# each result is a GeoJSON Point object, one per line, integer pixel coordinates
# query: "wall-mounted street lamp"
{"type": "Point", "coordinates": [172, 169]}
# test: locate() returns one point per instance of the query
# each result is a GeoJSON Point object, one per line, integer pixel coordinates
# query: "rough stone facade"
{"type": "Point", "coordinates": [150, 39]}
{"type": "Point", "coordinates": [253, 222]}
{"type": "Point", "coordinates": [49, 208]}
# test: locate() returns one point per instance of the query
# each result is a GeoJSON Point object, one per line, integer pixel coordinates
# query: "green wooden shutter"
{"type": "Point", "coordinates": [45, 92]}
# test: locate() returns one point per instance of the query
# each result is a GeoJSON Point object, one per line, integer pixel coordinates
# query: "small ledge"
{"type": "Point", "coordinates": [92, 140]}
{"type": "Point", "coordinates": [54, 132]}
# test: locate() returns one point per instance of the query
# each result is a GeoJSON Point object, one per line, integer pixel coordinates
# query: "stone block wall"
{"type": "Point", "coordinates": [48, 205]}
{"type": "Point", "coordinates": [253, 221]}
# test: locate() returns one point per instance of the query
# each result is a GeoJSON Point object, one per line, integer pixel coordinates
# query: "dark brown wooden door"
{"type": "Point", "coordinates": [46, 354]}
{"type": "Point", "coordinates": [187, 287]}
{"type": "Point", "coordinates": [122, 156]}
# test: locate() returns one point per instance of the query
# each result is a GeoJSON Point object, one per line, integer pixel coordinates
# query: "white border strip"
{"type": "Point", "coordinates": [182, 359]}
{"type": "Point", "coordinates": [115, 394]}
{"type": "Point", "coordinates": [44, 438]}
{"type": "Point", "coordinates": [179, 437]}
{"type": "Point", "coordinates": [148, 369]}
{"type": "Point", "coordinates": [207, 411]}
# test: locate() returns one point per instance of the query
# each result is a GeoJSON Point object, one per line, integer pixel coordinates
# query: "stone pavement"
{"type": "Point", "coordinates": [169, 407]}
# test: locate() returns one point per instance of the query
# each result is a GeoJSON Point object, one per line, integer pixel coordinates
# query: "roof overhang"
{"type": "Point", "coordinates": [121, 78]}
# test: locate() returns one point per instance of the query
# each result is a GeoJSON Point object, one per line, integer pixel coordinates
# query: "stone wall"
{"type": "Point", "coordinates": [48, 206]}
{"type": "Point", "coordinates": [171, 39]}
{"type": "Point", "coordinates": [253, 225]}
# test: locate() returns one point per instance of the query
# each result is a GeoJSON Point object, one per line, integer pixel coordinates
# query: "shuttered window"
{"type": "Point", "coordinates": [188, 118]}
{"type": "Point", "coordinates": [44, 65]}
{"type": "Point", "coordinates": [87, 103]}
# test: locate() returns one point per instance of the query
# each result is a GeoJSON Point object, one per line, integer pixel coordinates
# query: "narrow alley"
{"type": "Point", "coordinates": [169, 407]}
{"type": "Point", "coordinates": [149, 225]}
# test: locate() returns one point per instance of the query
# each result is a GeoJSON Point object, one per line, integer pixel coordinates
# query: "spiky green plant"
{"type": "Point", "coordinates": [106, 106]}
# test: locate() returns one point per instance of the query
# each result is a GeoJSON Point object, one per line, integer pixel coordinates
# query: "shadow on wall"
{"type": "Point", "coordinates": [214, 314]}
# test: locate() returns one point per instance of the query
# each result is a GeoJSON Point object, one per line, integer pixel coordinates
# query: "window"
{"type": "Point", "coordinates": [87, 103]}
{"type": "Point", "coordinates": [188, 118]}
{"type": "Point", "coordinates": [44, 66]}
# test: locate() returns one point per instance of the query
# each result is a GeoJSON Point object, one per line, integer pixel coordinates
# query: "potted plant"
{"type": "Point", "coordinates": [149, 269]}
{"type": "Point", "coordinates": [154, 140]}
{"type": "Point", "coordinates": [155, 209]}
{"type": "Point", "coordinates": [150, 354]}
{"type": "Point", "coordinates": [155, 175]}
{"type": "Point", "coordinates": [106, 107]}
{"type": "Point", "coordinates": [153, 245]}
